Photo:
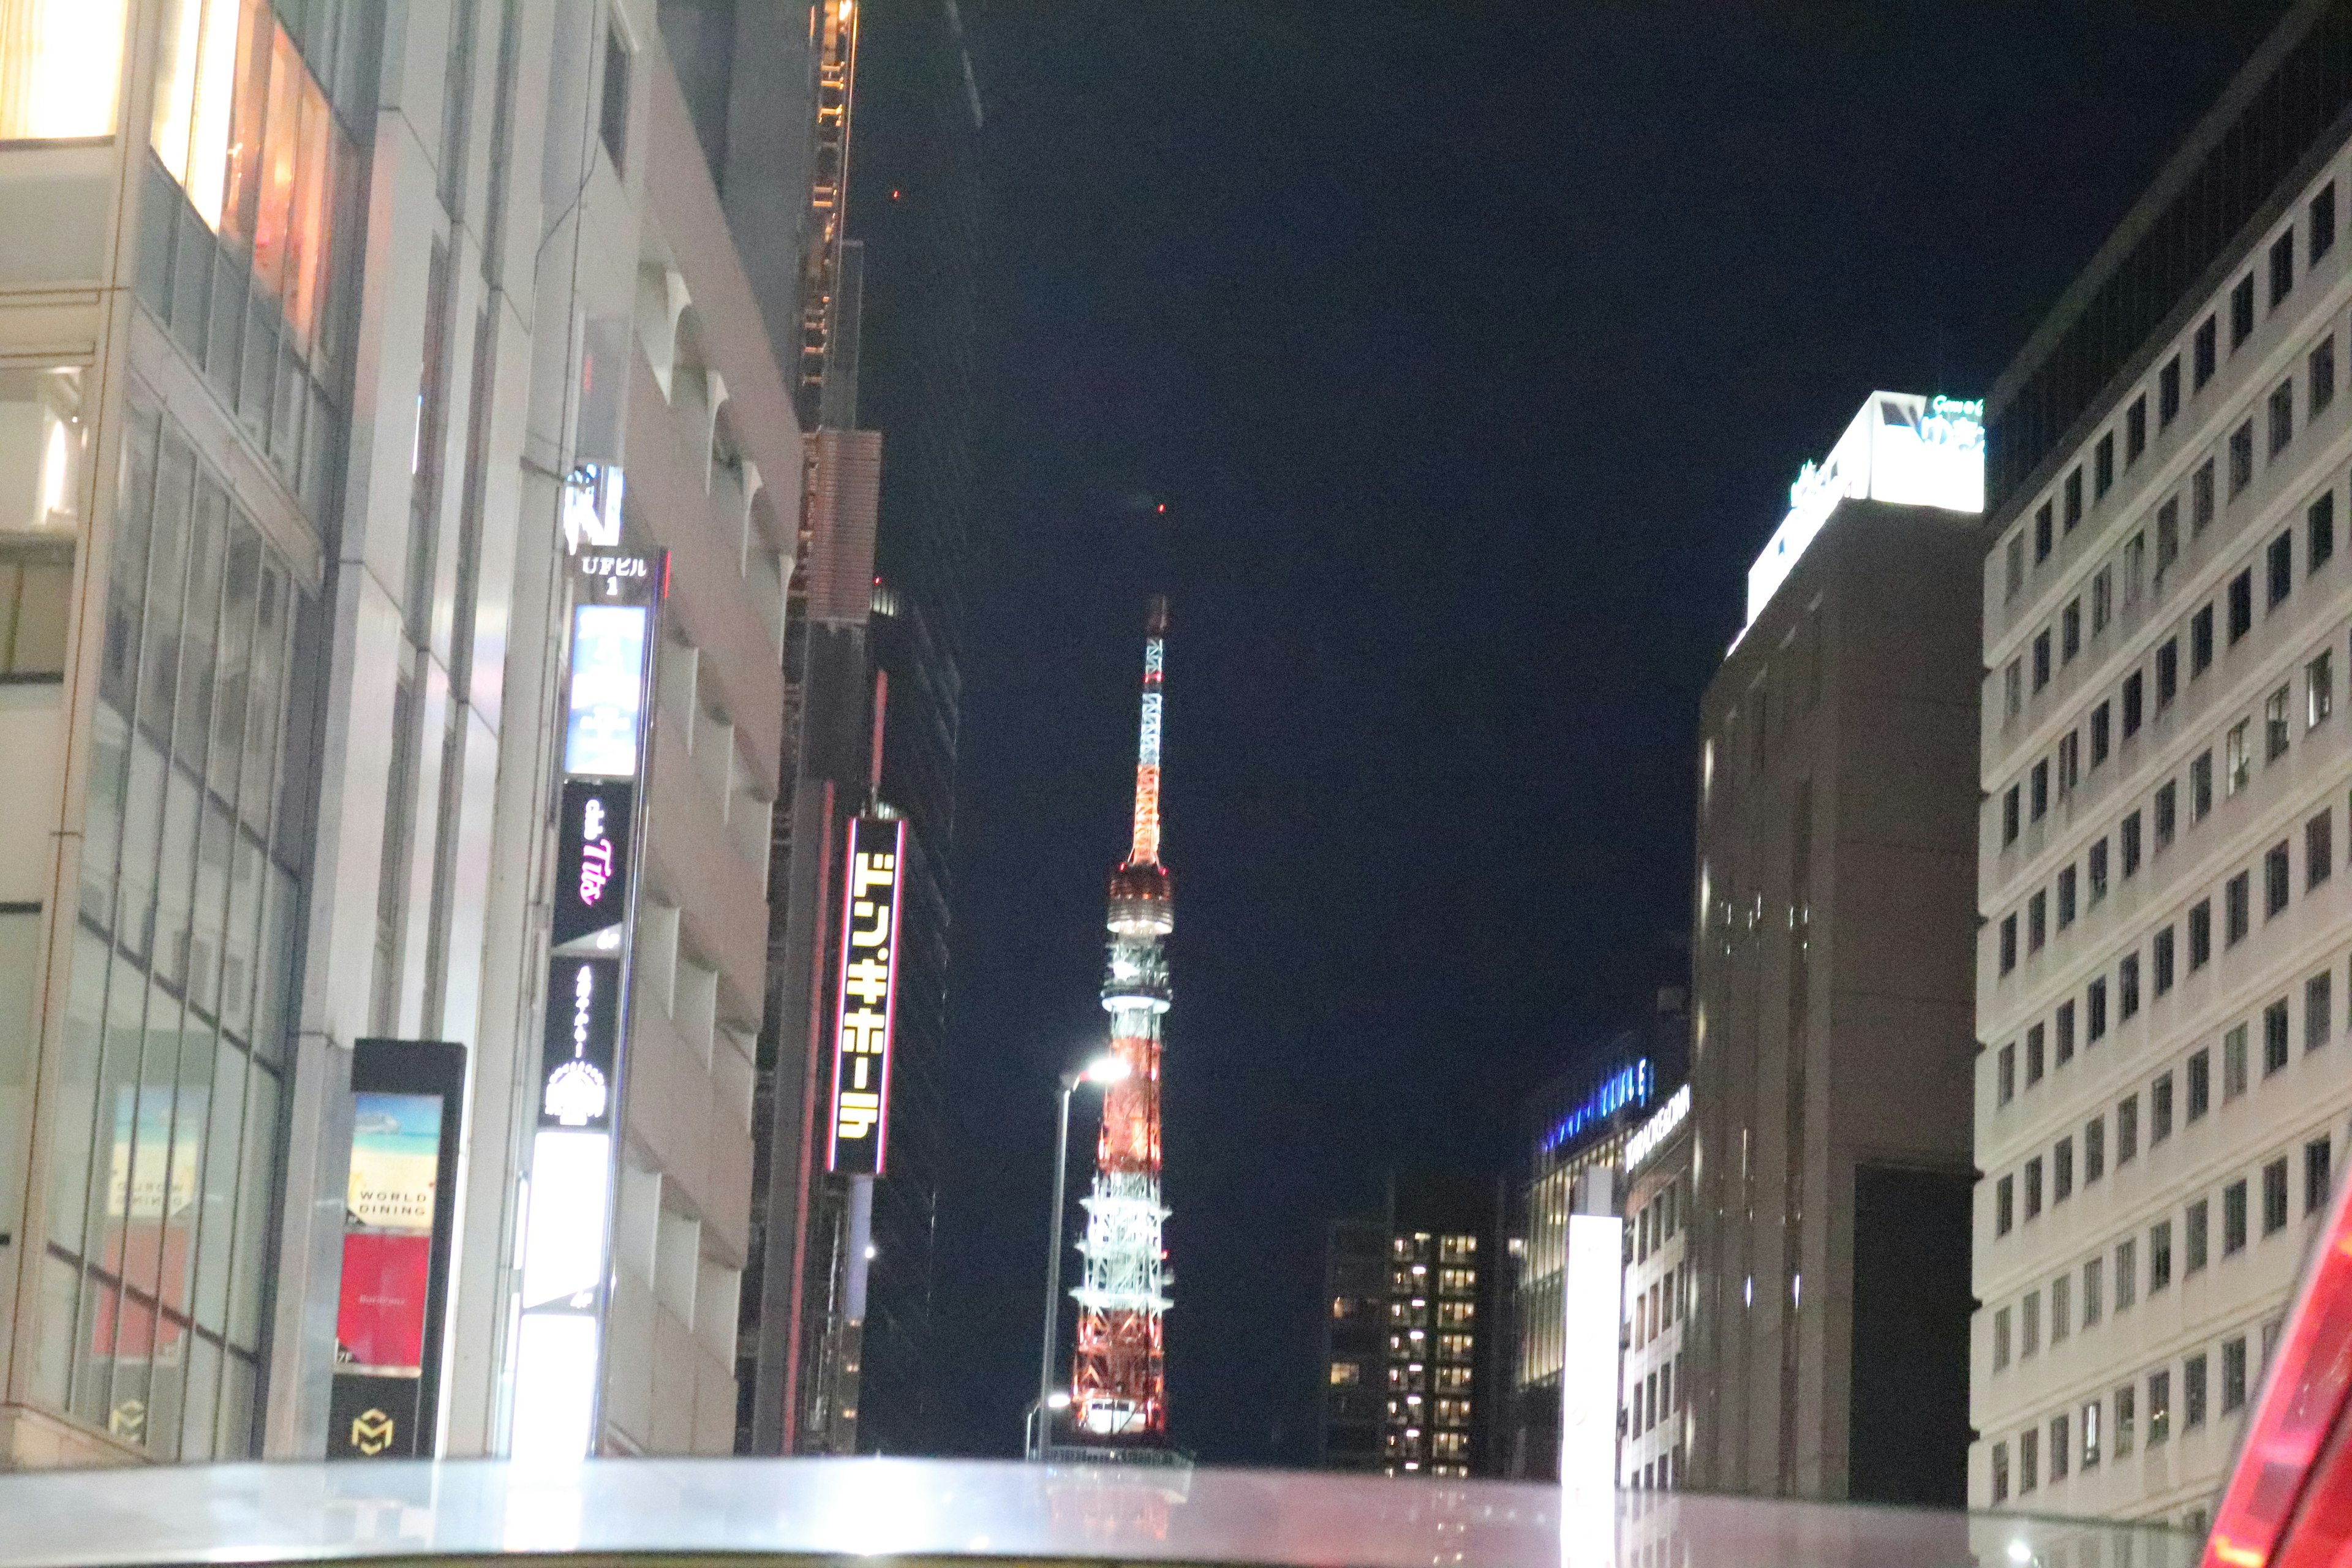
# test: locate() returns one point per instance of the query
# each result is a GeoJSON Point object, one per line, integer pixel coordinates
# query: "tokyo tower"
{"type": "Point", "coordinates": [1119, 1393]}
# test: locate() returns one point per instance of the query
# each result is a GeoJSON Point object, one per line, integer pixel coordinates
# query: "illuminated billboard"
{"type": "Point", "coordinates": [592, 861]}
{"type": "Point", "coordinates": [1591, 1297]}
{"type": "Point", "coordinates": [399, 1211]}
{"type": "Point", "coordinates": [606, 707]}
{"type": "Point", "coordinates": [865, 1002]}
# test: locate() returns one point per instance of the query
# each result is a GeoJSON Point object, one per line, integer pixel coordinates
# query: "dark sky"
{"type": "Point", "coordinates": [1472, 349]}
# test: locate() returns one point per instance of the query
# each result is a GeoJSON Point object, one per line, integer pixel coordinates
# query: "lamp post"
{"type": "Point", "coordinates": [1105, 1070]}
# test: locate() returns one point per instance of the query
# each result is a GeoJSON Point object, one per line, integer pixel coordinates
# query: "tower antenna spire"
{"type": "Point", "coordinates": [1146, 850]}
{"type": "Point", "coordinates": [1119, 1384]}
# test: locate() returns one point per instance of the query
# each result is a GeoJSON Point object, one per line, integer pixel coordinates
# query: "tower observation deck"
{"type": "Point", "coordinates": [1119, 1393]}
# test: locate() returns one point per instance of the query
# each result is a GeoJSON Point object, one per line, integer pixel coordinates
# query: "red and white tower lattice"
{"type": "Point", "coordinates": [1118, 1392]}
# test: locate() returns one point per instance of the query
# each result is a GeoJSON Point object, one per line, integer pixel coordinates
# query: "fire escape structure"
{"type": "Point", "coordinates": [1118, 1392]}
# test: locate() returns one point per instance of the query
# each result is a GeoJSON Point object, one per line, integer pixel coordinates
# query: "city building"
{"type": "Point", "coordinates": [384, 661]}
{"type": "Point", "coordinates": [866, 226]}
{"type": "Point", "coordinates": [2161, 966]}
{"type": "Point", "coordinates": [1577, 1125]}
{"type": "Point", "coordinates": [1656, 1197]}
{"type": "Point", "coordinates": [1826, 1234]}
{"type": "Point", "coordinates": [1410, 1349]}
{"type": "Point", "coordinates": [1354, 1389]}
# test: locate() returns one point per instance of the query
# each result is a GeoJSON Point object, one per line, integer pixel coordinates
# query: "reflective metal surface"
{"type": "Point", "coordinates": [804, 1508]}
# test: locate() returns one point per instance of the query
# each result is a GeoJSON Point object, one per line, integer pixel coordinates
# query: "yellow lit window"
{"type": "Point", "coordinates": [1346, 1374]}
{"type": "Point", "coordinates": [1455, 1314]}
{"type": "Point", "coordinates": [60, 69]}
{"type": "Point", "coordinates": [242, 125]}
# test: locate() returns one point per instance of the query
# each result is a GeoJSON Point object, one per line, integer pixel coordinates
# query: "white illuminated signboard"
{"type": "Point", "coordinates": [866, 1001]}
{"type": "Point", "coordinates": [1646, 1138]}
{"type": "Point", "coordinates": [1588, 1385]}
{"type": "Point", "coordinates": [1902, 448]}
{"type": "Point", "coordinates": [608, 693]}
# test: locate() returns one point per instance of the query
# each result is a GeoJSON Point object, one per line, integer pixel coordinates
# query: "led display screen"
{"type": "Point", "coordinates": [606, 708]}
{"type": "Point", "coordinates": [865, 1001]}
{"type": "Point", "coordinates": [399, 1207]}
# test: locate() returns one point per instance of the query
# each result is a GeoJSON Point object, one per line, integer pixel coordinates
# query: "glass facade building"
{"type": "Point", "coordinates": [164, 1132]}
{"type": "Point", "coordinates": [157, 598]}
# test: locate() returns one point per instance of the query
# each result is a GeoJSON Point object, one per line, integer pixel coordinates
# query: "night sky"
{"type": "Point", "coordinates": [1471, 349]}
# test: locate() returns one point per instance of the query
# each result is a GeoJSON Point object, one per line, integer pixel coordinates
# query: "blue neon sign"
{"type": "Point", "coordinates": [1627, 1086]}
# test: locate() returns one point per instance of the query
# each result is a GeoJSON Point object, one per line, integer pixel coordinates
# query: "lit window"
{"type": "Point", "coordinates": [60, 69]}
{"type": "Point", "coordinates": [243, 127]}
{"type": "Point", "coordinates": [1346, 1374]}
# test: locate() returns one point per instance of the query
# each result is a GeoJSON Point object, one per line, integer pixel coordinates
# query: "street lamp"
{"type": "Point", "coordinates": [1103, 1071]}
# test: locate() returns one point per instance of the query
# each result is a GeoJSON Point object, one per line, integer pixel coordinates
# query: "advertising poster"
{"type": "Point", "coordinates": [156, 1154]}
{"type": "Point", "coordinates": [388, 1233]}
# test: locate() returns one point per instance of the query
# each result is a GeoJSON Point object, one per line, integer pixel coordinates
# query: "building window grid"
{"type": "Point", "coordinates": [180, 979]}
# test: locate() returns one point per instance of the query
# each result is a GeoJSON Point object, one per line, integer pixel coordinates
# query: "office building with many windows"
{"type": "Point", "coordinates": [1655, 1301]}
{"type": "Point", "coordinates": [1576, 1127]}
{"type": "Point", "coordinates": [2162, 978]}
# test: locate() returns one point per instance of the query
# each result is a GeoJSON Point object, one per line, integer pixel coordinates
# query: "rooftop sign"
{"type": "Point", "coordinates": [1647, 1137]}
{"type": "Point", "coordinates": [1629, 1085]}
{"type": "Point", "coordinates": [1902, 448]}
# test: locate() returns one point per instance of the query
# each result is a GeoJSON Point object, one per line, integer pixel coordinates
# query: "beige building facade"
{"type": "Point", "coordinates": [1824, 1332]}
{"type": "Point", "coordinates": [2162, 985]}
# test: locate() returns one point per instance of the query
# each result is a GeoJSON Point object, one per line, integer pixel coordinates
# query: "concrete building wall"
{"type": "Point", "coordinates": [1830, 1029]}
{"type": "Point", "coordinates": [1651, 1447]}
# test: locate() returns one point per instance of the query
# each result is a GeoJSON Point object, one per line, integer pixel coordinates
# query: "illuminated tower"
{"type": "Point", "coordinates": [1119, 1390]}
